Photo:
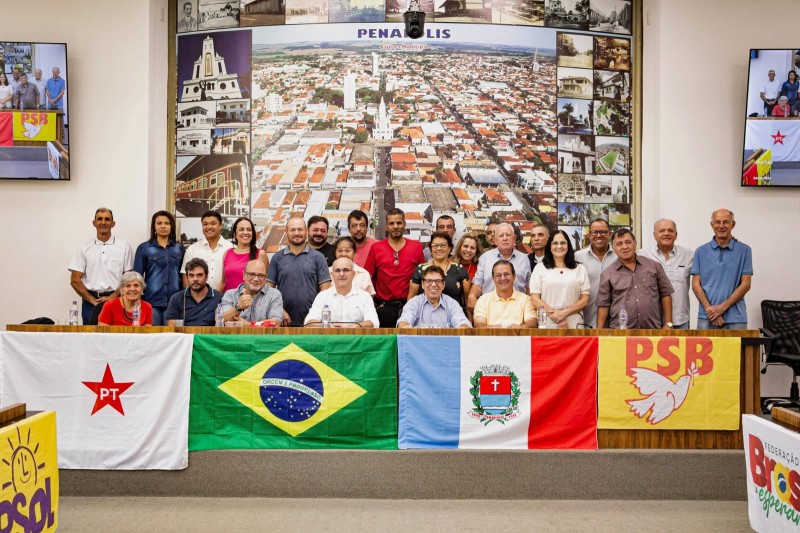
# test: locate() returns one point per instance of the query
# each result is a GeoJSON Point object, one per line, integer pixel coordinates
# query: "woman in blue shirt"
{"type": "Point", "coordinates": [159, 262]}
{"type": "Point", "coordinates": [790, 87]}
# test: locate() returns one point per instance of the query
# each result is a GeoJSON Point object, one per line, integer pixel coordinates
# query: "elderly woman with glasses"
{"type": "Point", "coordinates": [120, 311]}
{"type": "Point", "coordinates": [456, 282]}
{"type": "Point", "coordinates": [560, 284]}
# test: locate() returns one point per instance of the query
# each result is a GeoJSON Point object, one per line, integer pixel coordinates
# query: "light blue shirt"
{"type": "Point", "coordinates": [721, 270]}
{"type": "Point", "coordinates": [54, 87]}
{"type": "Point", "coordinates": [483, 274]}
{"type": "Point", "coordinates": [419, 311]}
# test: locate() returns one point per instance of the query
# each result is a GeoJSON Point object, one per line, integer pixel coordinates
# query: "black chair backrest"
{"type": "Point", "coordinates": [783, 319]}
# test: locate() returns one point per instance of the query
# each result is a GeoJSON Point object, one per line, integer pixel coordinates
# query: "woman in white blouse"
{"type": "Point", "coordinates": [560, 284]}
{"type": "Point", "coordinates": [6, 92]}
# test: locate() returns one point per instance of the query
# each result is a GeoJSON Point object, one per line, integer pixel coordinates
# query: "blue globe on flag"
{"type": "Point", "coordinates": [291, 390]}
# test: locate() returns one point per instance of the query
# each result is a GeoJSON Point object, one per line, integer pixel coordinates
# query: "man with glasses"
{"type": "Point", "coordinates": [504, 307]}
{"type": "Point", "coordinates": [96, 268]}
{"type": "Point", "coordinates": [637, 283]}
{"type": "Point", "coordinates": [432, 308]}
{"type": "Point", "coordinates": [253, 300]}
{"type": "Point", "coordinates": [349, 306]}
{"type": "Point", "coordinates": [721, 275]}
{"type": "Point", "coordinates": [299, 272]}
{"type": "Point", "coordinates": [196, 304]}
{"type": "Point", "coordinates": [391, 262]}
{"type": "Point", "coordinates": [595, 259]}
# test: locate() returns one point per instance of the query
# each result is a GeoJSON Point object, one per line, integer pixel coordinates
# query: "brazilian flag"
{"type": "Point", "coordinates": [289, 391]}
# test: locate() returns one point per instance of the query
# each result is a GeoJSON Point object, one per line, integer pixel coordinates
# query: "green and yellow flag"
{"type": "Point", "coordinates": [280, 391]}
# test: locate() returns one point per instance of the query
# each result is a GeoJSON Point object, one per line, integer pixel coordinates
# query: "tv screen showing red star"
{"type": "Point", "coordinates": [772, 124]}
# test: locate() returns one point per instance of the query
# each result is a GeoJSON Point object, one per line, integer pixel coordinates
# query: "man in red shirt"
{"type": "Point", "coordinates": [358, 225]}
{"type": "Point", "coordinates": [391, 263]}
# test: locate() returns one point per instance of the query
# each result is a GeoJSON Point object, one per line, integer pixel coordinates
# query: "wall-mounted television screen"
{"type": "Point", "coordinates": [772, 125]}
{"type": "Point", "coordinates": [34, 121]}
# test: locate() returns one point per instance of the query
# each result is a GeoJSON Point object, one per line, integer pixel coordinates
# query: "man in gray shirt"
{"type": "Point", "coordinates": [26, 95]}
{"type": "Point", "coordinates": [253, 299]}
{"type": "Point", "coordinates": [595, 259]}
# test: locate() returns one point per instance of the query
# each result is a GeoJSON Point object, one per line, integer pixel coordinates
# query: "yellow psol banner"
{"type": "Point", "coordinates": [668, 383]}
{"type": "Point", "coordinates": [29, 475]}
{"type": "Point", "coordinates": [34, 126]}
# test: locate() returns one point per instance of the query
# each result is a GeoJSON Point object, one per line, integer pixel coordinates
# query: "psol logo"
{"type": "Point", "coordinates": [31, 507]}
{"type": "Point", "coordinates": [495, 394]}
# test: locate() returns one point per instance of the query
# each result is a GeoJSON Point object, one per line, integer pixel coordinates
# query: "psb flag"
{"type": "Point", "coordinates": [29, 475]}
{"type": "Point", "coordinates": [466, 392]}
{"type": "Point", "coordinates": [275, 391]}
{"type": "Point", "coordinates": [121, 399]}
{"type": "Point", "coordinates": [669, 383]}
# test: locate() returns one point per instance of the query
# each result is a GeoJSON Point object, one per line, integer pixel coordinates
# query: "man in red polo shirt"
{"type": "Point", "coordinates": [391, 262]}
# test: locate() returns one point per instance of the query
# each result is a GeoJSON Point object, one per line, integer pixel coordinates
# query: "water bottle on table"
{"type": "Point", "coordinates": [73, 313]}
{"type": "Point", "coordinates": [623, 317]}
{"type": "Point", "coordinates": [326, 317]}
{"type": "Point", "coordinates": [219, 316]}
{"type": "Point", "coordinates": [137, 313]}
{"type": "Point", "coordinates": [541, 317]}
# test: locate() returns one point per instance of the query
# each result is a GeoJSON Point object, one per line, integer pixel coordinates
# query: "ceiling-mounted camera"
{"type": "Point", "coordinates": [415, 20]}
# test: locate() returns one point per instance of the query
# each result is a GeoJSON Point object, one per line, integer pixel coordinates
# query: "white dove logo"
{"type": "Point", "coordinates": [663, 396]}
{"type": "Point", "coordinates": [31, 131]}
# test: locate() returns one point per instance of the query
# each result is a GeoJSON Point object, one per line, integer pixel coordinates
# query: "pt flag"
{"type": "Point", "coordinates": [471, 392]}
{"type": "Point", "coordinates": [669, 383]}
{"type": "Point", "coordinates": [122, 400]}
{"type": "Point", "coordinates": [29, 474]}
{"type": "Point", "coordinates": [281, 391]}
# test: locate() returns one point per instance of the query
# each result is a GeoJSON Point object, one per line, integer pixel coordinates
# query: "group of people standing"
{"type": "Point", "coordinates": [20, 92]}
{"type": "Point", "coordinates": [359, 281]}
{"type": "Point", "coordinates": [781, 97]}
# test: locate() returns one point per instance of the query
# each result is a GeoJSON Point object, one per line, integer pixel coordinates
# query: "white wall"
{"type": "Point", "coordinates": [117, 56]}
{"type": "Point", "coordinates": [695, 90]}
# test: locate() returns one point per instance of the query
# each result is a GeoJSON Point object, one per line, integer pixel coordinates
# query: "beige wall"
{"type": "Point", "coordinates": [695, 91]}
{"type": "Point", "coordinates": [117, 58]}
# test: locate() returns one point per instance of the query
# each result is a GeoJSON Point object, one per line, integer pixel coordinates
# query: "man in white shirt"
{"type": "Point", "coordinates": [211, 250]}
{"type": "Point", "coordinates": [770, 92]}
{"type": "Point", "coordinates": [98, 265]}
{"type": "Point", "coordinates": [595, 259]}
{"type": "Point", "coordinates": [677, 262]}
{"type": "Point", "coordinates": [40, 84]}
{"type": "Point", "coordinates": [349, 306]}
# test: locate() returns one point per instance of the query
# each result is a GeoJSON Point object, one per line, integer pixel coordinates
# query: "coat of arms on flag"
{"type": "Point", "coordinates": [495, 394]}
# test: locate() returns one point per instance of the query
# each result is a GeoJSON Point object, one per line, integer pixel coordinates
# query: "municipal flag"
{"type": "Point", "coordinates": [669, 383]}
{"type": "Point", "coordinates": [280, 391]}
{"type": "Point", "coordinates": [472, 392]}
{"type": "Point", "coordinates": [121, 399]}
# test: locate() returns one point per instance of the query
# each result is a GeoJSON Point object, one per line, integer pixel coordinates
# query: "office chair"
{"type": "Point", "coordinates": [782, 328]}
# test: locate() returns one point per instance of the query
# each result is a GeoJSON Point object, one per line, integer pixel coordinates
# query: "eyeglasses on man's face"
{"type": "Point", "coordinates": [252, 275]}
{"type": "Point", "coordinates": [597, 232]}
{"type": "Point", "coordinates": [433, 282]}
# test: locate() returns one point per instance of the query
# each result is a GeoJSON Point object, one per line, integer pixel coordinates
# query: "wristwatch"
{"type": "Point", "coordinates": [668, 325]}
{"type": "Point", "coordinates": [237, 308]}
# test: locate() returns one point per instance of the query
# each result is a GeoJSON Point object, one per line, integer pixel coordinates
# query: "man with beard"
{"type": "Point", "coordinates": [318, 238]}
{"type": "Point", "coordinates": [198, 302]}
{"type": "Point", "coordinates": [358, 226]}
{"type": "Point", "coordinates": [253, 300]}
{"type": "Point", "coordinates": [298, 272]}
{"type": "Point", "coordinates": [211, 249]}
{"type": "Point", "coordinates": [595, 259]}
{"type": "Point", "coordinates": [391, 263]}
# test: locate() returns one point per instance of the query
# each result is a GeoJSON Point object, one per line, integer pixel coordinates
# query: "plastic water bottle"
{"type": "Point", "coordinates": [137, 312]}
{"type": "Point", "coordinates": [73, 313]}
{"type": "Point", "coordinates": [219, 316]}
{"type": "Point", "coordinates": [326, 317]}
{"type": "Point", "coordinates": [542, 318]}
{"type": "Point", "coordinates": [623, 317]}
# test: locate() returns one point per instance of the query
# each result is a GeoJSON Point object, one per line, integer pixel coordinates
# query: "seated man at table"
{"type": "Point", "coordinates": [253, 300]}
{"type": "Point", "coordinates": [198, 302]}
{"type": "Point", "coordinates": [432, 308]}
{"type": "Point", "coordinates": [504, 307]}
{"type": "Point", "coordinates": [349, 306]}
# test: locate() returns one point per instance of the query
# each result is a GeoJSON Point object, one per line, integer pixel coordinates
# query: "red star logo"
{"type": "Point", "coordinates": [778, 138]}
{"type": "Point", "coordinates": [108, 392]}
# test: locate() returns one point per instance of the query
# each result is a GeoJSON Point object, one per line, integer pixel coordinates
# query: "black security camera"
{"type": "Point", "coordinates": [415, 20]}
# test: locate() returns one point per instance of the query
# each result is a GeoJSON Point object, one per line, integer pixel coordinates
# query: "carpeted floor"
{"type": "Point", "coordinates": [198, 515]}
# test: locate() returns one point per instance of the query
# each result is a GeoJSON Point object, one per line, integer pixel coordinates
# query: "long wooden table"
{"type": "Point", "coordinates": [750, 389]}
